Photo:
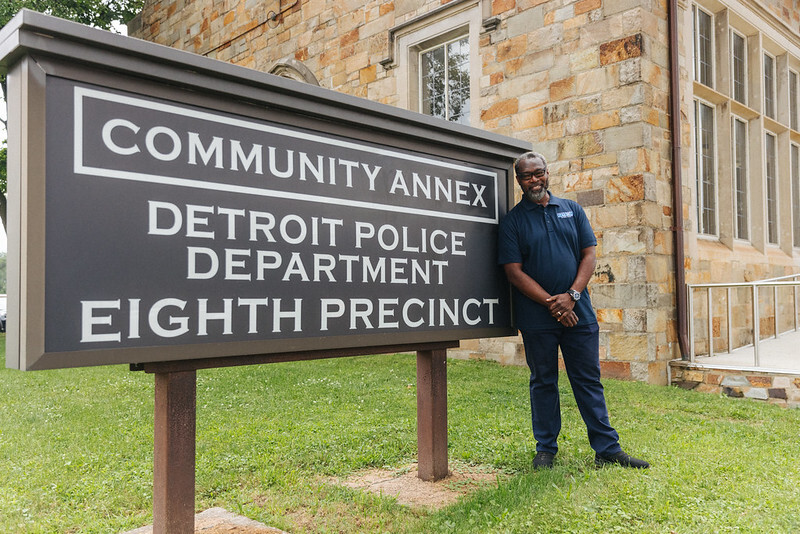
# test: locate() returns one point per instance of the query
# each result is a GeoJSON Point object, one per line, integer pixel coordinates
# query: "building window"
{"type": "Point", "coordinates": [796, 195]}
{"type": "Point", "coordinates": [769, 86]}
{"type": "Point", "coordinates": [437, 60]}
{"type": "Point", "coordinates": [706, 177]}
{"type": "Point", "coordinates": [740, 177]}
{"type": "Point", "coordinates": [445, 81]}
{"type": "Point", "coordinates": [703, 46]}
{"type": "Point", "coordinates": [793, 99]}
{"type": "Point", "coordinates": [772, 187]}
{"type": "Point", "coordinates": [739, 67]}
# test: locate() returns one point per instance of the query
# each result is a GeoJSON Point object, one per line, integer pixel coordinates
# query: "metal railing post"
{"type": "Point", "coordinates": [756, 325]}
{"type": "Point", "coordinates": [730, 320]}
{"type": "Point", "coordinates": [775, 311]}
{"type": "Point", "coordinates": [710, 325]}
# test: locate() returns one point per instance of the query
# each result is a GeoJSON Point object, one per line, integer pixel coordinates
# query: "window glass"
{"type": "Point", "coordinates": [706, 177]}
{"type": "Point", "coordinates": [793, 99]}
{"type": "Point", "coordinates": [703, 47]}
{"type": "Point", "coordinates": [772, 189]}
{"type": "Point", "coordinates": [739, 67]}
{"type": "Point", "coordinates": [444, 81]}
{"type": "Point", "coordinates": [769, 86]}
{"type": "Point", "coordinates": [740, 177]}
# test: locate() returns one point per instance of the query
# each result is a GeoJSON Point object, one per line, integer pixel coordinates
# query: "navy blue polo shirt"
{"type": "Point", "coordinates": [547, 241]}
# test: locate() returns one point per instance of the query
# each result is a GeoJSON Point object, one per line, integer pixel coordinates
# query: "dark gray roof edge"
{"type": "Point", "coordinates": [46, 25]}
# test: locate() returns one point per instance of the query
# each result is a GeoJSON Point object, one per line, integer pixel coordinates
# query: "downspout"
{"type": "Point", "coordinates": [677, 182]}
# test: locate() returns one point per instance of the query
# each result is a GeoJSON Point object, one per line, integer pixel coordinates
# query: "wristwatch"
{"type": "Point", "coordinates": [576, 296]}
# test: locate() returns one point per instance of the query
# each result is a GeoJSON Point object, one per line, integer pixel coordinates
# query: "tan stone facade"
{"type": "Point", "coordinates": [587, 82]}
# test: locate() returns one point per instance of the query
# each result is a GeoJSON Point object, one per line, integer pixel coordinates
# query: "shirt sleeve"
{"type": "Point", "coordinates": [508, 249]}
{"type": "Point", "coordinates": [586, 237]}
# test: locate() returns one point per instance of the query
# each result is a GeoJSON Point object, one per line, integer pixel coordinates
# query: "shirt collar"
{"type": "Point", "coordinates": [554, 201]}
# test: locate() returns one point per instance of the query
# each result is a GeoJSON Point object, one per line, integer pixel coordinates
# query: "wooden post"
{"type": "Point", "coordinates": [432, 414]}
{"type": "Point", "coordinates": [174, 452]}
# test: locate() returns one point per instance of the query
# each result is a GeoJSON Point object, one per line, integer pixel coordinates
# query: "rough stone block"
{"type": "Point", "coordinates": [579, 146]}
{"type": "Point", "coordinates": [584, 6]}
{"type": "Point", "coordinates": [577, 181]}
{"type": "Point", "coordinates": [555, 112]}
{"type": "Point", "coordinates": [625, 189]}
{"type": "Point", "coordinates": [605, 120]}
{"type": "Point", "coordinates": [756, 393]}
{"type": "Point", "coordinates": [693, 375]}
{"type": "Point", "coordinates": [735, 381]}
{"type": "Point", "coordinates": [522, 23]}
{"type": "Point", "coordinates": [630, 71]}
{"type": "Point", "coordinates": [608, 316]}
{"type": "Point", "coordinates": [512, 48]}
{"type": "Point", "coordinates": [621, 49]}
{"type": "Point", "coordinates": [760, 381]}
{"type": "Point", "coordinates": [594, 197]}
{"type": "Point", "coordinates": [629, 347]}
{"type": "Point", "coordinates": [618, 370]}
{"type": "Point", "coordinates": [781, 382]}
{"type": "Point", "coordinates": [503, 108]}
{"type": "Point", "coordinates": [626, 240]}
{"type": "Point", "coordinates": [562, 89]}
{"type": "Point", "coordinates": [626, 136]}
{"type": "Point", "coordinates": [527, 119]}
{"type": "Point", "coordinates": [593, 81]}
{"type": "Point", "coordinates": [587, 105]}
{"type": "Point", "coordinates": [777, 393]}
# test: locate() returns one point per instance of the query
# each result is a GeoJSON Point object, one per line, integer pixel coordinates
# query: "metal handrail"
{"type": "Point", "coordinates": [792, 280]}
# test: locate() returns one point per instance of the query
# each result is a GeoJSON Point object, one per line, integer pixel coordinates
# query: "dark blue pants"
{"type": "Point", "coordinates": [580, 350]}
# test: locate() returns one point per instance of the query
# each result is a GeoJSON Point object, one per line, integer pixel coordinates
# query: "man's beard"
{"type": "Point", "coordinates": [536, 196]}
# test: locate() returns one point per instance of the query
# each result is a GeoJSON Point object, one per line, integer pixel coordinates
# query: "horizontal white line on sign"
{"type": "Point", "coordinates": [80, 168]}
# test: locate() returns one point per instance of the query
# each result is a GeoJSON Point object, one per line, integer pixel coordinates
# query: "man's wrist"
{"type": "Point", "coordinates": [574, 295]}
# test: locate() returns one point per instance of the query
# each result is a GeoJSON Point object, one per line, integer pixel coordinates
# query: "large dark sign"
{"type": "Point", "coordinates": [166, 222]}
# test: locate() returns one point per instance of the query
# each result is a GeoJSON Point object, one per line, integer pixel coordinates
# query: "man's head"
{"type": "Point", "coordinates": [532, 176]}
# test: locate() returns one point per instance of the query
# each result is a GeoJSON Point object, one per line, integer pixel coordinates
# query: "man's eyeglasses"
{"type": "Point", "coordinates": [525, 176]}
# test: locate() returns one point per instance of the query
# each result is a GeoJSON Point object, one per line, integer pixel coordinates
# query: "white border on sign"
{"type": "Point", "coordinates": [80, 168]}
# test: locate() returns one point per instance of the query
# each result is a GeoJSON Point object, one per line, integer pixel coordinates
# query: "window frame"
{"type": "Point", "coordinates": [794, 94]}
{"type": "Point", "coordinates": [700, 175]}
{"type": "Point", "coordinates": [736, 34]}
{"type": "Point", "coordinates": [699, 75]}
{"type": "Point", "coordinates": [741, 188]}
{"type": "Point", "coordinates": [443, 44]}
{"type": "Point", "coordinates": [794, 164]}
{"type": "Point", "coordinates": [456, 19]}
{"type": "Point", "coordinates": [772, 211]}
{"type": "Point", "coordinates": [770, 91]}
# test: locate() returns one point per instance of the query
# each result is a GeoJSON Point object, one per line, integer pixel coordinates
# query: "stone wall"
{"type": "Point", "coordinates": [585, 81]}
{"type": "Point", "coordinates": [782, 389]}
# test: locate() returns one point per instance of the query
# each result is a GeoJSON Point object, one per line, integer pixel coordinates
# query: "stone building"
{"type": "Point", "coordinates": [591, 84]}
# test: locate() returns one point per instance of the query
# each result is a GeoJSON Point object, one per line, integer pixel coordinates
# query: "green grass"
{"type": "Point", "coordinates": [76, 452]}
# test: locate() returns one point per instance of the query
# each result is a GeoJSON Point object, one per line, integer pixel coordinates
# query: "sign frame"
{"type": "Point", "coordinates": [36, 48]}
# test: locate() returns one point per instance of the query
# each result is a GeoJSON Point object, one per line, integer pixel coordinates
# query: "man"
{"type": "Point", "coordinates": [547, 248]}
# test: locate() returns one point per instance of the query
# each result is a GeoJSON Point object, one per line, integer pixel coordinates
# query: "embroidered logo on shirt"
{"type": "Point", "coordinates": [564, 214]}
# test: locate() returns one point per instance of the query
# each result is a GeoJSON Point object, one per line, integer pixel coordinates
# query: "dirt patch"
{"type": "Point", "coordinates": [221, 521]}
{"type": "Point", "coordinates": [404, 484]}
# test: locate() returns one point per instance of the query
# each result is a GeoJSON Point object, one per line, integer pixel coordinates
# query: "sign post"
{"type": "Point", "coordinates": [178, 213]}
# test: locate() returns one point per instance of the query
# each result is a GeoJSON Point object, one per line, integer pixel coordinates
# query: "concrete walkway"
{"type": "Point", "coordinates": [782, 354]}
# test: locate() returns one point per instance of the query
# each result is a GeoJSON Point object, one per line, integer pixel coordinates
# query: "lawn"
{"type": "Point", "coordinates": [76, 452]}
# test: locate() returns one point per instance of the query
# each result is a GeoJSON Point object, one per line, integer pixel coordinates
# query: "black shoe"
{"type": "Point", "coordinates": [620, 458]}
{"type": "Point", "coordinates": [543, 460]}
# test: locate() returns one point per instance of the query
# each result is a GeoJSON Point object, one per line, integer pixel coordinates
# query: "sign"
{"type": "Point", "coordinates": [178, 222]}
